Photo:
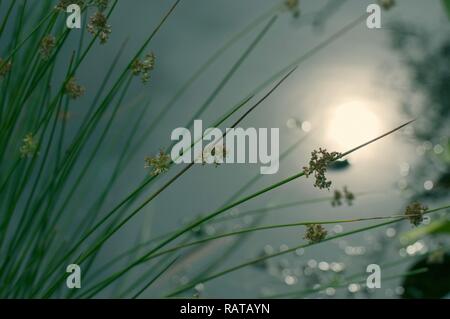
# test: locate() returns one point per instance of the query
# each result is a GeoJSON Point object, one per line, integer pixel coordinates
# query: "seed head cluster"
{"type": "Point", "coordinates": [98, 25]}
{"type": "Point", "coordinates": [318, 165]}
{"type": "Point", "coordinates": [215, 154]}
{"type": "Point", "coordinates": [73, 89]}
{"type": "Point", "coordinates": [144, 67]}
{"type": "Point", "coordinates": [47, 45]}
{"type": "Point", "coordinates": [339, 196]}
{"type": "Point", "coordinates": [29, 146]}
{"type": "Point", "coordinates": [315, 233]}
{"type": "Point", "coordinates": [158, 164]}
{"type": "Point", "coordinates": [414, 212]}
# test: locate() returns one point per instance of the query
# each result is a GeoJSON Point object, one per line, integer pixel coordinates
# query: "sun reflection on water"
{"type": "Point", "coordinates": [353, 123]}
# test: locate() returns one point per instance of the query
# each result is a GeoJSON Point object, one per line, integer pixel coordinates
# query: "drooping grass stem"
{"type": "Point", "coordinates": [271, 227]}
{"type": "Point", "coordinates": [101, 241]}
{"type": "Point", "coordinates": [293, 249]}
{"type": "Point", "coordinates": [209, 216]}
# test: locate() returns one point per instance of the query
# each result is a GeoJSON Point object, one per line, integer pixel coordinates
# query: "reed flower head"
{"type": "Point", "coordinates": [136, 67]}
{"type": "Point", "coordinates": [386, 4]}
{"type": "Point", "coordinates": [349, 196]}
{"type": "Point", "coordinates": [47, 45]}
{"type": "Point", "coordinates": [5, 67]}
{"type": "Point", "coordinates": [144, 67]}
{"type": "Point", "coordinates": [293, 6]}
{"type": "Point", "coordinates": [73, 89]}
{"type": "Point", "coordinates": [318, 165]}
{"type": "Point", "coordinates": [315, 233]}
{"type": "Point", "coordinates": [98, 24]}
{"type": "Point", "coordinates": [345, 194]}
{"type": "Point", "coordinates": [159, 164]}
{"type": "Point", "coordinates": [29, 146]}
{"type": "Point", "coordinates": [215, 154]}
{"type": "Point", "coordinates": [63, 4]}
{"type": "Point", "coordinates": [414, 212]}
{"type": "Point", "coordinates": [337, 198]}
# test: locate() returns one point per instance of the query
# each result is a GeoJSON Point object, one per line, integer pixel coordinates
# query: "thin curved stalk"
{"type": "Point", "coordinates": [293, 249]}
{"type": "Point", "coordinates": [19, 45]}
{"type": "Point", "coordinates": [293, 64]}
{"type": "Point", "coordinates": [231, 72]}
{"type": "Point", "coordinates": [207, 64]}
{"type": "Point", "coordinates": [273, 208]}
{"type": "Point", "coordinates": [271, 227]}
{"type": "Point", "coordinates": [123, 74]}
{"type": "Point", "coordinates": [301, 59]}
{"type": "Point", "coordinates": [140, 292]}
{"type": "Point", "coordinates": [100, 243]}
{"type": "Point", "coordinates": [231, 199]}
{"type": "Point", "coordinates": [197, 223]}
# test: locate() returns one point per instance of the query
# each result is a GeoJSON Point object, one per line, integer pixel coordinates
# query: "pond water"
{"type": "Point", "coordinates": [346, 93]}
{"type": "Point", "coordinates": [351, 85]}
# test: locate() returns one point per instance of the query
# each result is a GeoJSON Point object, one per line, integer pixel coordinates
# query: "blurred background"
{"type": "Point", "coordinates": [363, 83]}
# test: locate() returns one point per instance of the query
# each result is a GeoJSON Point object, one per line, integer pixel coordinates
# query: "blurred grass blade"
{"type": "Point", "coordinates": [446, 4]}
